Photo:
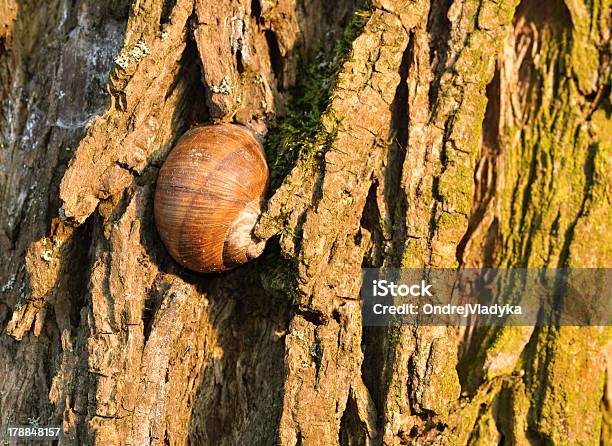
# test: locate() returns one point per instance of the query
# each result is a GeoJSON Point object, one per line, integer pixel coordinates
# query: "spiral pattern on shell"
{"type": "Point", "coordinates": [209, 195]}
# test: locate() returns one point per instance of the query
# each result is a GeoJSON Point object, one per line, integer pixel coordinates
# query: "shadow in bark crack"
{"type": "Point", "coordinates": [243, 405]}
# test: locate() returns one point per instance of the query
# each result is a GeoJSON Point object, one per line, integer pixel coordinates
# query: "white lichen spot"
{"type": "Point", "coordinates": [140, 50]}
{"type": "Point", "coordinates": [47, 255]}
{"type": "Point", "coordinates": [136, 54]}
{"type": "Point", "coordinates": [122, 61]}
{"type": "Point", "coordinates": [223, 88]}
{"type": "Point", "coordinates": [8, 286]}
{"type": "Point", "coordinates": [239, 37]}
{"type": "Point", "coordinates": [164, 36]}
{"type": "Point", "coordinates": [29, 139]}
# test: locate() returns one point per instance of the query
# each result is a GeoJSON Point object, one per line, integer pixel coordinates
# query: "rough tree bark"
{"type": "Point", "coordinates": [433, 133]}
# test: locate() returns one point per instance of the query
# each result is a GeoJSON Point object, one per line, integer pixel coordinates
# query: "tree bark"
{"type": "Point", "coordinates": [401, 133]}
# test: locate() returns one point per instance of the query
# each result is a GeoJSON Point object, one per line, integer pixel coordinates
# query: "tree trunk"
{"type": "Point", "coordinates": [402, 133]}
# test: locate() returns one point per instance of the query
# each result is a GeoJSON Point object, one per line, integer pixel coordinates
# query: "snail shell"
{"type": "Point", "coordinates": [209, 196]}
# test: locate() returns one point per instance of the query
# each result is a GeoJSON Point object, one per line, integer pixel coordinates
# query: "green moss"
{"type": "Point", "coordinates": [301, 133]}
{"type": "Point", "coordinates": [563, 411]}
{"type": "Point", "coordinates": [449, 221]}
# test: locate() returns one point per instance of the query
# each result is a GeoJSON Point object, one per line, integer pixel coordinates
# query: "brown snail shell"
{"type": "Point", "coordinates": [209, 196]}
